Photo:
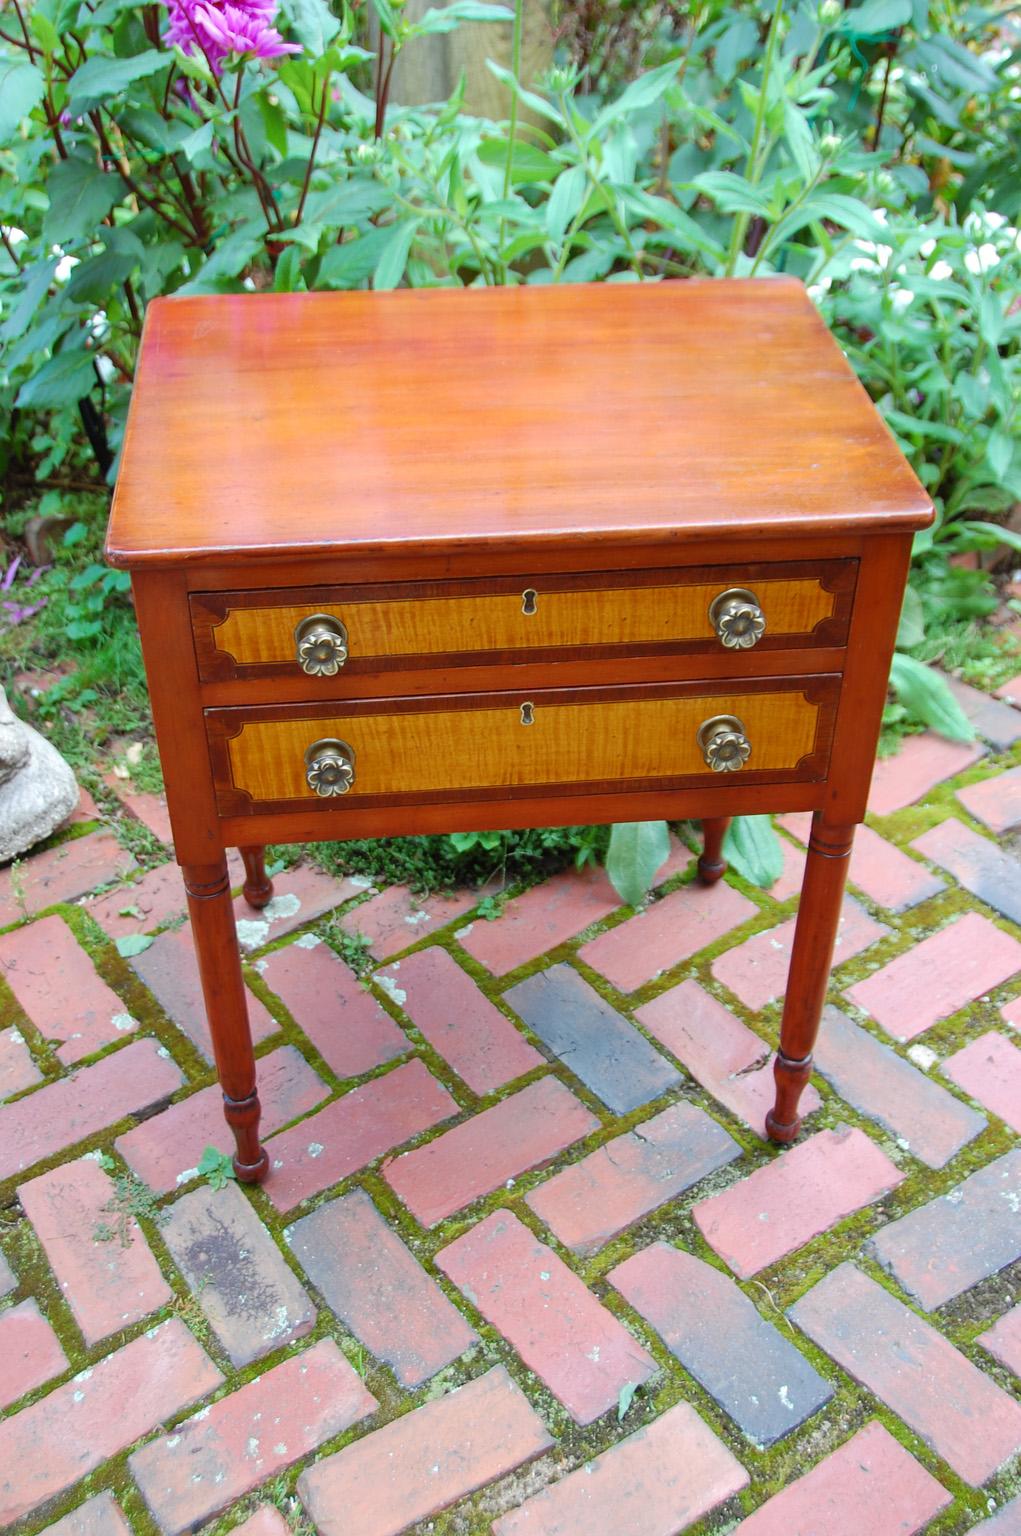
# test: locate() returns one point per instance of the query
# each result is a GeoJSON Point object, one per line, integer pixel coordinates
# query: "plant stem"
{"type": "Point", "coordinates": [512, 127]}
{"type": "Point", "coordinates": [753, 168]}
{"type": "Point", "coordinates": [312, 152]}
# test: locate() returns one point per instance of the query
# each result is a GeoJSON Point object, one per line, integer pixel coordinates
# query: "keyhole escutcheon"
{"type": "Point", "coordinates": [528, 600]}
{"type": "Point", "coordinates": [528, 714]}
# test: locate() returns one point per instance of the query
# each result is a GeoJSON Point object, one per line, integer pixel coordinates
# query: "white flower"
{"type": "Point", "coordinates": [927, 247]}
{"type": "Point", "coordinates": [940, 271]}
{"type": "Point", "coordinates": [982, 259]}
{"type": "Point", "coordinates": [901, 298]}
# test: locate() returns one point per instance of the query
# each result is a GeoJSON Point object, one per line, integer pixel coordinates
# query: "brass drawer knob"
{"type": "Point", "coordinates": [321, 643]}
{"type": "Point", "coordinates": [329, 767]}
{"type": "Point", "coordinates": [737, 619]}
{"type": "Point", "coordinates": [724, 744]}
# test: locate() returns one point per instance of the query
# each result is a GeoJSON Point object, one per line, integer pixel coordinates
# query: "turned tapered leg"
{"type": "Point", "coordinates": [712, 866]}
{"type": "Point", "coordinates": [829, 851]}
{"type": "Point", "coordinates": [258, 888]}
{"type": "Point", "coordinates": [216, 946]}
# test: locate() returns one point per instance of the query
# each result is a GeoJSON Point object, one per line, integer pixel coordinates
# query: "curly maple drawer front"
{"type": "Point", "coordinates": [496, 746]}
{"type": "Point", "coordinates": [385, 628]}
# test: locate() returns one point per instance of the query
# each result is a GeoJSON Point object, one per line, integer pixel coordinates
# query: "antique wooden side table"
{"type": "Point", "coordinates": [443, 560]}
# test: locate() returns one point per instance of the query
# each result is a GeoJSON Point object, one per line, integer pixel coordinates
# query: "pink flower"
{"type": "Point", "coordinates": [218, 29]}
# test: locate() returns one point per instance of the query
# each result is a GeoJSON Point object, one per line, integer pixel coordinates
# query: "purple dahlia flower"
{"type": "Point", "coordinates": [218, 29]}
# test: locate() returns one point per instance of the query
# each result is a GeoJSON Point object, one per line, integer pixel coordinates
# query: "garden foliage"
{"type": "Point", "coordinates": [208, 146]}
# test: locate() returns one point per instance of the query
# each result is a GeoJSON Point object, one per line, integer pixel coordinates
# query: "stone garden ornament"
{"type": "Point", "coordinates": [38, 791]}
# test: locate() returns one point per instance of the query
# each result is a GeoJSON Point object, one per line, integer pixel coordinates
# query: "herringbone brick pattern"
{"type": "Point", "coordinates": [525, 1263]}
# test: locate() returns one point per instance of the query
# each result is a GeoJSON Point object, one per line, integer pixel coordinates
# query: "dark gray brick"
{"type": "Point", "coordinates": [241, 1279]}
{"type": "Point", "coordinates": [995, 722]}
{"type": "Point", "coordinates": [982, 868]}
{"type": "Point", "coordinates": [602, 1048]}
{"type": "Point", "coordinates": [754, 1373]}
{"type": "Point", "coordinates": [963, 1237]}
{"type": "Point", "coordinates": [872, 1077]}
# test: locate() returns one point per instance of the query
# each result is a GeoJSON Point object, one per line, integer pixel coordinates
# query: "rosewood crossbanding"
{"type": "Point", "coordinates": [441, 561]}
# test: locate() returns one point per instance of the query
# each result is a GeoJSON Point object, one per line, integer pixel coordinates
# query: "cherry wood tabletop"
{"type": "Point", "coordinates": [276, 426]}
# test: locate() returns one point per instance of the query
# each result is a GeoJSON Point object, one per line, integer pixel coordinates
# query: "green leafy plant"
{"type": "Point", "coordinates": [217, 1168]}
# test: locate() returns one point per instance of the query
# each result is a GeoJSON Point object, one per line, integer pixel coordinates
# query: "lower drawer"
{"type": "Point", "coordinates": [494, 746]}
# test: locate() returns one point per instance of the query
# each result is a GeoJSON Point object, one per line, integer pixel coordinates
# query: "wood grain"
{"type": "Point", "coordinates": [407, 624]}
{"type": "Point", "coordinates": [424, 752]}
{"type": "Point", "coordinates": [275, 425]}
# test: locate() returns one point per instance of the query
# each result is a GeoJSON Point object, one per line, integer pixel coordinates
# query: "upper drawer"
{"type": "Point", "coordinates": [323, 631]}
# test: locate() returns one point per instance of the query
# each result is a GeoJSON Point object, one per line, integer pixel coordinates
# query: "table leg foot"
{"type": "Point", "coordinates": [258, 888]}
{"type": "Point", "coordinates": [251, 1162]}
{"type": "Point", "coordinates": [712, 866]}
{"type": "Point", "coordinates": [783, 1121]}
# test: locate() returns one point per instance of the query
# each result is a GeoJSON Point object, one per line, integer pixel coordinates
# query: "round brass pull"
{"type": "Point", "coordinates": [724, 744]}
{"type": "Point", "coordinates": [737, 619]}
{"type": "Point", "coordinates": [329, 767]}
{"type": "Point", "coordinates": [321, 645]}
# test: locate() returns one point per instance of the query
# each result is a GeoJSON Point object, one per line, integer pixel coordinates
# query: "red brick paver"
{"type": "Point", "coordinates": [476, 1157]}
{"type": "Point", "coordinates": [103, 1264]}
{"type": "Point", "coordinates": [46, 1448]}
{"type": "Point", "coordinates": [299, 897]}
{"type": "Point", "coordinates": [60, 990]}
{"type": "Point", "coordinates": [869, 1484]}
{"type": "Point", "coordinates": [30, 1351]}
{"type": "Point", "coordinates": [150, 902]}
{"type": "Point", "coordinates": [378, 1289]}
{"type": "Point", "coordinates": [101, 1516]}
{"type": "Point", "coordinates": [989, 1069]}
{"type": "Point", "coordinates": [344, 1022]}
{"type": "Point", "coordinates": [730, 1061]}
{"type": "Point", "coordinates": [424, 1461]}
{"type": "Point", "coordinates": [143, 805]}
{"type": "Point", "coordinates": [935, 978]}
{"type": "Point", "coordinates": [214, 1457]}
{"type": "Point", "coordinates": [1006, 1521]}
{"type": "Point", "coordinates": [170, 971]}
{"type": "Point", "coordinates": [947, 1401]}
{"type": "Point", "coordinates": [540, 920]}
{"type": "Point", "coordinates": [60, 874]}
{"type": "Point", "coordinates": [666, 933]}
{"type": "Point", "coordinates": [582, 1353]}
{"type": "Point", "coordinates": [879, 868]}
{"type": "Point", "coordinates": [266, 1521]}
{"type": "Point", "coordinates": [61, 1114]}
{"type": "Point", "coordinates": [921, 763]}
{"type": "Point", "coordinates": [658, 1481]}
{"type": "Point", "coordinates": [783, 1204]}
{"type": "Point", "coordinates": [756, 971]}
{"type": "Point", "coordinates": [1003, 1340]}
{"type": "Point", "coordinates": [459, 1021]}
{"type": "Point", "coordinates": [165, 1150]}
{"type": "Point", "coordinates": [995, 801]}
{"type": "Point", "coordinates": [592, 1200]}
{"type": "Point", "coordinates": [977, 863]}
{"type": "Point", "coordinates": [354, 1130]}
{"type": "Point", "coordinates": [17, 1069]}
{"type": "Point", "coordinates": [395, 919]}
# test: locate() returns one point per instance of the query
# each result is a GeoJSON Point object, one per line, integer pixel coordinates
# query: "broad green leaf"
{"type": "Point", "coordinates": [799, 140]}
{"type": "Point", "coordinates": [347, 265]}
{"type": "Point", "coordinates": [999, 452]}
{"type": "Point", "coordinates": [132, 944]}
{"type": "Point", "coordinates": [925, 693]}
{"type": "Point", "coordinates": [44, 30]}
{"type": "Point", "coordinates": [754, 850]}
{"type": "Point", "coordinates": [197, 143]}
{"type": "Point", "coordinates": [101, 77]}
{"type": "Point", "coordinates": [918, 426]}
{"type": "Point", "coordinates": [527, 164]}
{"type": "Point", "coordinates": [219, 273]}
{"type": "Point", "coordinates": [565, 201]}
{"type": "Point", "coordinates": [21, 89]}
{"type": "Point", "coordinates": [33, 285]}
{"type": "Point", "coordinates": [732, 193]}
{"type": "Point", "coordinates": [641, 93]}
{"type": "Point", "coordinates": [537, 104]}
{"type": "Point", "coordinates": [393, 257]}
{"type": "Point", "coordinates": [990, 535]}
{"type": "Point", "coordinates": [312, 22]}
{"type": "Point", "coordinates": [876, 17]}
{"type": "Point", "coordinates": [950, 63]}
{"type": "Point", "coordinates": [217, 1167]}
{"type": "Point", "coordinates": [288, 278]}
{"type": "Point", "coordinates": [685, 232]}
{"type": "Point", "coordinates": [636, 851]}
{"type": "Point", "coordinates": [63, 380]}
{"type": "Point", "coordinates": [738, 42]}
{"type": "Point", "coordinates": [81, 195]}
{"type": "Point", "coordinates": [451, 16]}
{"type": "Point", "coordinates": [625, 1397]}
{"type": "Point", "coordinates": [911, 629]}
{"type": "Point", "coordinates": [92, 280]}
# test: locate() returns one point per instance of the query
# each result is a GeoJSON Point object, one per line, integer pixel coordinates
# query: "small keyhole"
{"type": "Point", "coordinates": [528, 600]}
{"type": "Point", "coordinates": [528, 714]}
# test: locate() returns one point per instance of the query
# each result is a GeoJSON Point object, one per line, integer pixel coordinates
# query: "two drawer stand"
{"type": "Point", "coordinates": [437, 560]}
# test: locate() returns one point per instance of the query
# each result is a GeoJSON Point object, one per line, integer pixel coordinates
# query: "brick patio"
{"type": "Point", "coordinates": [525, 1263]}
